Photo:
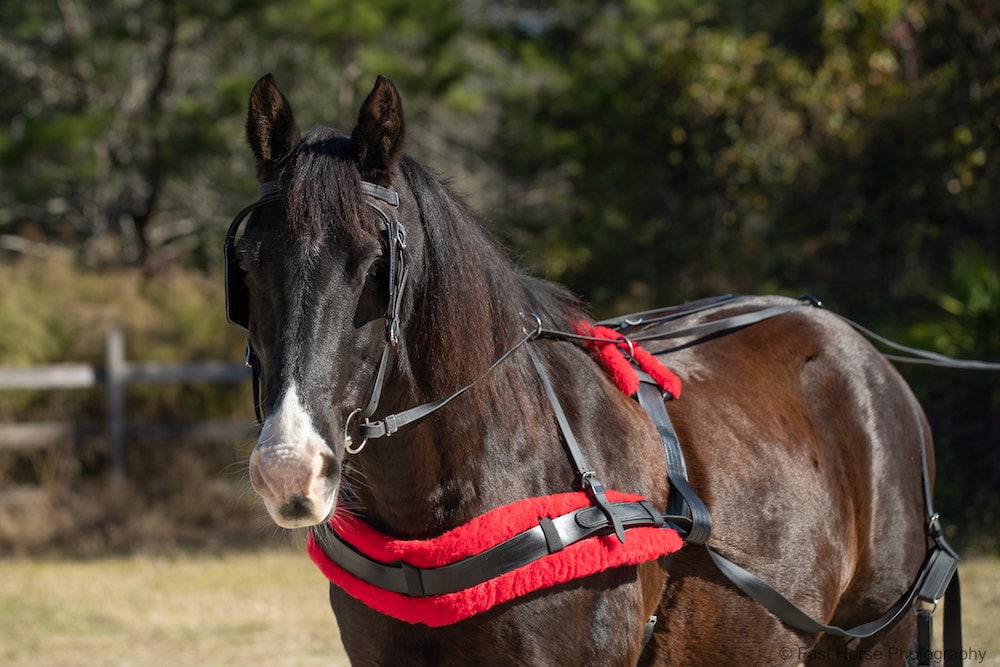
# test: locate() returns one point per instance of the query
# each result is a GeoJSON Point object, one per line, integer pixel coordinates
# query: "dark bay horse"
{"type": "Point", "coordinates": [801, 439]}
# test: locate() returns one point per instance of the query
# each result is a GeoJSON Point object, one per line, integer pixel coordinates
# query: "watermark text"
{"type": "Point", "coordinates": [842, 653]}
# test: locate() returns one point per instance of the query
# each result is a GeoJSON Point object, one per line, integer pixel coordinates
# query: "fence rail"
{"type": "Point", "coordinates": [116, 375]}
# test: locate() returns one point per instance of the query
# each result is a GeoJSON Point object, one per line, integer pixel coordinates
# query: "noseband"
{"type": "Point", "coordinates": [394, 238]}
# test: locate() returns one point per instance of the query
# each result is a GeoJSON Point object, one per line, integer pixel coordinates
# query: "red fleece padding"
{"type": "Point", "coordinates": [613, 353]}
{"type": "Point", "coordinates": [578, 560]}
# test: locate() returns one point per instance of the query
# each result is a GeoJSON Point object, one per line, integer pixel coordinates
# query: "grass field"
{"type": "Point", "coordinates": [253, 608]}
{"type": "Point", "coordinates": [266, 608]}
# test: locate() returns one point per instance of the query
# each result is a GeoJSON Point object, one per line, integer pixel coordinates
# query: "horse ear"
{"type": "Point", "coordinates": [271, 128]}
{"type": "Point", "coordinates": [377, 139]}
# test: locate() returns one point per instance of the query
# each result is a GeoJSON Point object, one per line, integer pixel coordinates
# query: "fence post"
{"type": "Point", "coordinates": [114, 370]}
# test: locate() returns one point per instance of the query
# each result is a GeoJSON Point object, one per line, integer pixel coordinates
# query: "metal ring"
{"type": "Point", "coordinates": [349, 439]}
{"type": "Point", "coordinates": [538, 325]}
{"type": "Point", "coordinates": [631, 346]}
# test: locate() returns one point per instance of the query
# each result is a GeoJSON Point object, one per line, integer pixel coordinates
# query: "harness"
{"type": "Point", "coordinates": [541, 542]}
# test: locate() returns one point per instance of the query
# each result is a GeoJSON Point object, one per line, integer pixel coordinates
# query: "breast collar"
{"type": "Point", "coordinates": [511, 551]}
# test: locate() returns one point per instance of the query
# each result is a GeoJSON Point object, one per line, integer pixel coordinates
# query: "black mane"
{"type": "Point", "coordinates": [475, 300]}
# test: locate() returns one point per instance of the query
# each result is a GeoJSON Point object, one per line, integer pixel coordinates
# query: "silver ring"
{"type": "Point", "coordinates": [631, 346]}
{"type": "Point", "coordinates": [538, 325]}
{"type": "Point", "coordinates": [349, 439]}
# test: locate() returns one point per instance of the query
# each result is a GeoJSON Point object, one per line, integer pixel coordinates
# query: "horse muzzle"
{"type": "Point", "coordinates": [293, 469]}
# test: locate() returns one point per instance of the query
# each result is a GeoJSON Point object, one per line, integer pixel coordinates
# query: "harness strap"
{"type": "Point", "coordinates": [682, 499]}
{"type": "Point", "coordinates": [587, 477]}
{"type": "Point", "coordinates": [934, 572]}
{"type": "Point", "coordinates": [938, 574]}
{"type": "Point", "coordinates": [926, 357]}
{"type": "Point", "coordinates": [253, 363]}
{"type": "Point", "coordinates": [395, 242]}
{"type": "Point", "coordinates": [727, 324]}
{"type": "Point", "coordinates": [393, 422]}
{"type": "Point", "coordinates": [662, 315]}
{"type": "Point", "coordinates": [791, 615]}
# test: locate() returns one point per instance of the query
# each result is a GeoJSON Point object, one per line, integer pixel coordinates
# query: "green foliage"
{"type": "Point", "coordinates": [643, 152]}
{"type": "Point", "coordinates": [971, 300]}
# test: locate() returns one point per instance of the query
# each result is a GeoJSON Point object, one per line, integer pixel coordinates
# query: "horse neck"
{"type": "Point", "coordinates": [483, 449]}
{"type": "Point", "coordinates": [494, 444]}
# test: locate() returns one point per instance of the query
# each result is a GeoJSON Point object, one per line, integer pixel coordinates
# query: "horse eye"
{"type": "Point", "coordinates": [376, 268]}
{"type": "Point", "coordinates": [246, 255]}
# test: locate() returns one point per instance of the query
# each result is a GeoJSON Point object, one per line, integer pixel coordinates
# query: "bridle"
{"type": "Point", "coordinates": [394, 240]}
{"type": "Point", "coordinates": [237, 311]}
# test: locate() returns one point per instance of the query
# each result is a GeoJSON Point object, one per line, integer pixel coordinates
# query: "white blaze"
{"type": "Point", "coordinates": [292, 468]}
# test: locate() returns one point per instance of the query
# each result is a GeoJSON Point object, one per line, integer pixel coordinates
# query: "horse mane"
{"type": "Point", "coordinates": [475, 301]}
{"type": "Point", "coordinates": [324, 187]}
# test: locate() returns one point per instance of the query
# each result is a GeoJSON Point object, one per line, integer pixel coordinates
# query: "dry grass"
{"type": "Point", "coordinates": [254, 608]}
{"type": "Point", "coordinates": [980, 608]}
{"type": "Point", "coordinates": [267, 608]}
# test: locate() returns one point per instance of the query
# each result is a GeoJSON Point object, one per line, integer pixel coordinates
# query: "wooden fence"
{"type": "Point", "coordinates": [116, 375]}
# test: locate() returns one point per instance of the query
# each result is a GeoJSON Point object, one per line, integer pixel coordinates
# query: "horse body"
{"type": "Point", "coordinates": [798, 435]}
{"type": "Point", "coordinates": [802, 441]}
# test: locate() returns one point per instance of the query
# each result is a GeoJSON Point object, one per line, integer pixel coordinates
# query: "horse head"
{"type": "Point", "coordinates": [315, 279]}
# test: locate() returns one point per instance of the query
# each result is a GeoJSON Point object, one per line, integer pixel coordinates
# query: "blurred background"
{"type": "Point", "coordinates": [644, 153]}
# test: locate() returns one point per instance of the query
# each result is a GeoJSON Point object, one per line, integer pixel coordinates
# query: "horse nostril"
{"type": "Point", "coordinates": [298, 507]}
{"type": "Point", "coordinates": [257, 478]}
{"type": "Point", "coordinates": [330, 468]}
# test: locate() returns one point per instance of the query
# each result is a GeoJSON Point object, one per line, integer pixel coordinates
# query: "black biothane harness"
{"type": "Point", "coordinates": [685, 511]}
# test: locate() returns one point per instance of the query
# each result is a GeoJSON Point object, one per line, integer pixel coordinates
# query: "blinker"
{"type": "Point", "coordinates": [237, 296]}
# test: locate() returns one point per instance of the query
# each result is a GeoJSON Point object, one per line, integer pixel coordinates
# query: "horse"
{"type": "Point", "coordinates": [368, 287]}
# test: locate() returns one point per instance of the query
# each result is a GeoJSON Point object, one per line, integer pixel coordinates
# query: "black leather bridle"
{"type": "Point", "coordinates": [394, 239]}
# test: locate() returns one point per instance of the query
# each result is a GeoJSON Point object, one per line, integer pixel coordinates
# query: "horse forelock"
{"type": "Point", "coordinates": [324, 191]}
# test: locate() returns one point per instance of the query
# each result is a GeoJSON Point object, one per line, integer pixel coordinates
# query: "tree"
{"type": "Point", "coordinates": [122, 121]}
{"type": "Point", "coordinates": [689, 149]}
